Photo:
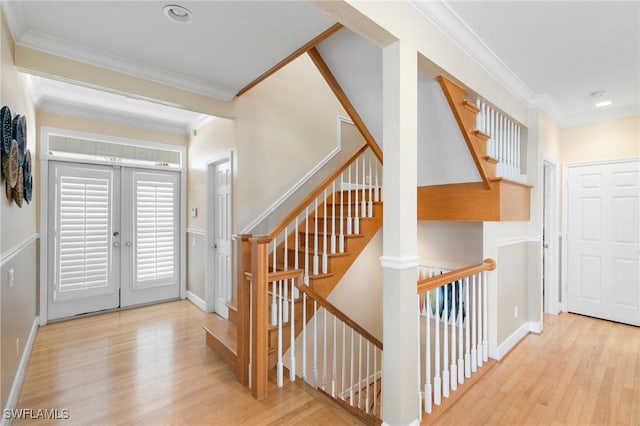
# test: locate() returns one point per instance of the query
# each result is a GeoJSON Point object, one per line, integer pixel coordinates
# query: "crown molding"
{"type": "Point", "coordinates": [454, 27]}
{"type": "Point", "coordinates": [15, 17]}
{"type": "Point", "coordinates": [77, 52]}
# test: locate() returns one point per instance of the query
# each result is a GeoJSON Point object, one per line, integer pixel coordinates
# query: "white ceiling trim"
{"type": "Point", "coordinates": [597, 116]}
{"type": "Point", "coordinates": [48, 44]}
{"type": "Point", "coordinates": [453, 26]}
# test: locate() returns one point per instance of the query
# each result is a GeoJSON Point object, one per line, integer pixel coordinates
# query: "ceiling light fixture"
{"type": "Point", "coordinates": [177, 13]}
{"type": "Point", "coordinates": [596, 94]}
{"type": "Point", "coordinates": [603, 104]}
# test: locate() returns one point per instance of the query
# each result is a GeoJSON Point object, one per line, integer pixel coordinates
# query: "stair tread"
{"type": "Point", "coordinates": [481, 134]}
{"type": "Point", "coordinates": [224, 331]}
{"type": "Point", "coordinates": [471, 106]}
{"type": "Point", "coordinates": [491, 159]}
{"type": "Point", "coordinates": [232, 304]}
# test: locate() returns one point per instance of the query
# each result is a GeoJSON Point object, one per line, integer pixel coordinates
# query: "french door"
{"type": "Point", "coordinates": [114, 237]}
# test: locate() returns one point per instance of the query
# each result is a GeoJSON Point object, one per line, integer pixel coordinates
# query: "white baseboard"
{"type": "Point", "coordinates": [535, 327]}
{"type": "Point", "coordinates": [416, 422]}
{"type": "Point", "coordinates": [196, 300]}
{"type": "Point", "coordinates": [18, 380]}
{"type": "Point", "coordinates": [512, 340]}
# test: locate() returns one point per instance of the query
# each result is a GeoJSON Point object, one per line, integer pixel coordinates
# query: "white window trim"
{"type": "Point", "coordinates": [45, 132]}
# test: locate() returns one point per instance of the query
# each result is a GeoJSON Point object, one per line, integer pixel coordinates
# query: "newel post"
{"type": "Point", "coordinates": [260, 318]}
{"type": "Point", "coordinates": [244, 264]}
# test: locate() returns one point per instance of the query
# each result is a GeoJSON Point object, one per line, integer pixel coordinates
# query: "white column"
{"type": "Point", "coordinates": [399, 261]}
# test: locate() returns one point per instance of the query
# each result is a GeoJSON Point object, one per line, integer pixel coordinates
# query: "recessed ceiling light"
{"type": "Point", "coordinates": [177, 13]}
{"type": "Point", "coordinates": [603, 104]}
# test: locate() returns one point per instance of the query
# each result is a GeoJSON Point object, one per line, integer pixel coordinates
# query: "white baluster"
{"type": "Point", "coordinates": [467, 353]}
{"type": "Point", "coordinates": [341, 239]}
{"type": "Point", "coordinates": [375, 380]}
{"type": "Point", "coordinates": [437, 381]}
{"type": "Point", "coordinates": [349, 218]}
{"type": "Point", "coordinates": [461, 331]}
{"type": "Point", "coordinates": [324, 351]}
{"type": "Point", "coordinates": [453, 371]}
{"type": "Point", "coordinates": [324, 236]}
{"type": "Point", "coordinates": [274, 300]}
{"type": "Point", "coordinates": [518, 147]}
{"type": "Point", "coordinates": [316, 260]}
{"type": "Point", "coordinates": [304, 336]}
{"type": "Point", "coordinates": [351, 373]}
{"type": "Point", "coordinates": [445, 358]}
{"type": "Point", "coordinates": [493, 134]}
{"type": "Point", "coordinates": [427, 357]}
{"type": "Point", "coordinates": [371, 160]}
{"type": "Point", "coordinates": [474, 326]}
{"type": "Point", "coordinates": [333, 218]}
{"type": "Point", "coordinates": [292, 334]}
{"type": "Point", "coordinates": [285, 307]}
{"type": "Point", "coordinates": [280, 365]}
{"type": "Point", "coordinates": [344, 361]}
{"type": "Point", "coordinates": [356, 215]}
{"type": "Point", "coordinates": [333, 361]}
{"type": "Point", "coordinates": [479, 305]}
{"type": "Point", "coordinates": [363, 209]}
{"type": "Point", "coordinates": [314, 366]}
{"type": "Point", "coordinates": [296, 260]}
{"type": "Point", "coordinates": [366, 401]}
{"type": "Point", "coordinates": [485, 345]}
{"type": "Point", "coordinates": [359, 371]}
{"type": "Point", "coordinates": [306, 246]}
{"type": "Point", "coordinates": [377, 194]}
{"type": "Point", "coordinates": [479, 115]}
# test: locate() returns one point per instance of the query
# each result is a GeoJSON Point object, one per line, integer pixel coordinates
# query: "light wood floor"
{"type": "Point", "coordinates": [581, 371]}
{"type": "Point", "coordinates": [151, 366]}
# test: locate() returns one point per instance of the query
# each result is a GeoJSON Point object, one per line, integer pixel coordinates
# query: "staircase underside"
{"type": "Point", "coordinates": [507, 200]}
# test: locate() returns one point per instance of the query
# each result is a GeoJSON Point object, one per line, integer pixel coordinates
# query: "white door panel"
{"type": "Point", "coordinates": [222, 237]}
{"type": "Point", "coordinates": [84, 260]}
{"type": "Point", "coordinates": [151, 236]}
{"type": "Point", "coordinates": [603, 236]}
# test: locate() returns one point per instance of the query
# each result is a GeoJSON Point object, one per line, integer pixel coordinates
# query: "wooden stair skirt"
{"type": "Point", "coordinates": [507, 200]}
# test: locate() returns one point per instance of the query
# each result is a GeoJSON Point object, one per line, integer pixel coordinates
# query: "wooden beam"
{"type": "Point", "coordinates": [345, 102]}
{"type": "Point", "coordinates": [304, 49]}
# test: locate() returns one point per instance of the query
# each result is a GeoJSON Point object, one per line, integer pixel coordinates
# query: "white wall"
{"type": "Point", "coordinates": [443, 155]}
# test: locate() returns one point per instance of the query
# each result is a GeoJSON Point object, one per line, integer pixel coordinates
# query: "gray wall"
{"type": "Point", "coordinates": [18, 311]}
{"type": "Point", "coordinates": [513, 287]}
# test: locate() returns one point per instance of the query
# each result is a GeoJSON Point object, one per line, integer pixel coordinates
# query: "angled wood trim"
{"type": "Point", "coordinates": [277, 67]}
{"type": "Point", "coordinates": [345, 102]}
{"type": "Point", "coordinates": [455, 98]}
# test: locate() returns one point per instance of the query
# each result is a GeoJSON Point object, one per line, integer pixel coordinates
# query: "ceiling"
{"type": "Point", "coordinates": [548, 53]}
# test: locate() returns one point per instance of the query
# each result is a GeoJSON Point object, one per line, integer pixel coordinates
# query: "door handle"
{"type": "Point", "coordinates": [116, 244]}
{"type": "Point", "coordinates": [128, 244]}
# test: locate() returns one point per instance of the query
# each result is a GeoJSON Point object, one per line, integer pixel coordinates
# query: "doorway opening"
{"type": "Point", "coordinates": [552, 298]}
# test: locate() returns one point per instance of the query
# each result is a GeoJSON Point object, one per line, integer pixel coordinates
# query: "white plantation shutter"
{"type": "Point", "coordinates": [155, 230]}
{"type": "Point", "coordinates": [83, 233]}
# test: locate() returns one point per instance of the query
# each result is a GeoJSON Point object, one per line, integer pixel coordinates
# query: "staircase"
{"type": "Point", "coordinates": [320, 240]}
{"type": "Point", "coordinates": [495, 198]}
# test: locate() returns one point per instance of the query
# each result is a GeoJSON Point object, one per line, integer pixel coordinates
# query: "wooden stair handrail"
{"type": "Point", "coordinates": [338, 313]}
{"type": "Point", "coordinates": [285, 275]}
{"type": "Point", "coordinates": [315, 193]}
{"type": "Point", "coordinates": [449, 277]}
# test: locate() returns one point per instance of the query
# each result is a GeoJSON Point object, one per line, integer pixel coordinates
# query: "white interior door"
{"type": "Point", "coordinates": [150, 233]}
{"type": "Point", "coordinates": [83, 244]}
{"type": "Point", "coordinates": [603, 235]}
{"type": "Point", "coordinates": [221, 221]}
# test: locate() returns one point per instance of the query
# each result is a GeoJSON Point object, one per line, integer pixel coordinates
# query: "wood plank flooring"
{"type": "Point", "coordinates": [151, 366]}
{"type": "Point", "coordinates": [580, 371]}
